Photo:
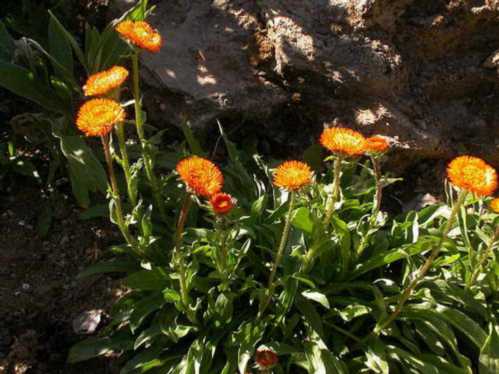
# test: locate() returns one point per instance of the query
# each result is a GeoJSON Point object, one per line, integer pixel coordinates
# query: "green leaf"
{"type": "Point", "coordinates": [412, 360]}
{"type": "Point", "coordinates": [61, 30]}
{"type": "Point", "coordinates": [302, 220]}
{"type": "Point", "coordinates": [317, 297]}
{"type": "Point", "coordinates": [60, 49]}
{"type": "Point", "coordinates": [145, 307]}
{"type": "Point", "coordinates": [376, 357]}
{"type": "Point", "coordinates": [94, 347]}
{"type": "Point", "coordinates": [7, 46]}
{"type": "Point", "coordinates": [21, 82]}
{"type": "Point", "coordinates": [171, 296]}
{"type": "Point", "coordinates": [147, 360]}
{"type": "Point", "coordinates": [489, 354]}
{"type": "Point", "coordinates": [387, 257]}
{"type": "Point", "coordinates": [114, 266]}
{"type": "Point", "coordinates": [155, 279]}
{"type": "Point", "coordinates": [313, 156]}
{"type": "Point", "coordinates": [96, 211]}
{"type": "Point", "coordinates": [86, 172]}
{"type": "Point", "coordinates": [191, 140]}
{"type": "Point", "coordinates": [248, 335]}
{"type": "Point", "coordinates": [463, 323]}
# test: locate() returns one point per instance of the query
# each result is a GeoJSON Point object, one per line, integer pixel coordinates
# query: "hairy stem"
{"type": "Point", "coordinates": [379, 186]}
{"type": "Point", "coordinates": [139, 123]}
{"type": "Point", "coordinates": [178, 259]}
{"type": "Point", "coordinates": [116, 192]}
{"type": "Point", "coordinates": [333, 195]}
{"type": "Point", "coordinates": [483, 257]}
{"type": "Point", "coordinates": [132, 194]}
{"type": "Point", "coordinates": [280, 252]}
{"type": "Point", "coordinates": [425, 267]}
{"type": "Point", "coordinates": [376, 206]}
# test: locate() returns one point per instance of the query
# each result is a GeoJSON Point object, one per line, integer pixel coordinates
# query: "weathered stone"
{"type": "Point", "coordinates": [420, 72]}
{"type": "Point", "coordinates": [204, 67]}
{"type": "Point", "coordinates": [87, 322]}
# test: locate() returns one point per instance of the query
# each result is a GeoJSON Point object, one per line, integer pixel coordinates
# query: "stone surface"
{"type": "Point", "coordinates": [422, 72]}
{"type": "Point", "coordinates": [87, 322]}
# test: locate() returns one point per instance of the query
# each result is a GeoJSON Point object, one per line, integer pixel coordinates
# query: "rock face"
{"type": "Point", "coordinates": [425, 72]}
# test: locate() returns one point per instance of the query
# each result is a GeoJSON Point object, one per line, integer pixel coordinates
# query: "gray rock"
{"type": "Point", "coordinates": [204, 68]}
{"type": "Point", "coordinates": [418, 72]}
{"type": "Point", "coordinates": [87, 322]}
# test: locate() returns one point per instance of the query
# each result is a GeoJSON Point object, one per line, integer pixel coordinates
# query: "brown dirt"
{"type": "Point", "coordinates": [38, 287]}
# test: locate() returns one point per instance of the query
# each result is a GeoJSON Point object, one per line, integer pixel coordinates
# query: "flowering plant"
{"type": "Point", "coordinates": [239, 267]}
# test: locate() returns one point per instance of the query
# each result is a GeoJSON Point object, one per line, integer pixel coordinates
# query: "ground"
{"type": "Point", "coordinates": [38, 287]}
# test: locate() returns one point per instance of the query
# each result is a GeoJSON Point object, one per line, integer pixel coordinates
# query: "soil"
{"type": "Point", "coordinates": [38, 287]}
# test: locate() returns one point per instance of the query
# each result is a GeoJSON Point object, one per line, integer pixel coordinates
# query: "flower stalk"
{"type": "Point", "coordinates": [178, 259]}
{"type": "Point", "coordinates": [278, 259]}
{"type": "Point", "coordinates": [333, 195]}
{"type": "Point", "coordinates": [120, 220]}
{"type": "Point", "coordinates": [483, 257]}
{"type": "Point", "coordinates": [139, 123]}
{"type": "Point", "coordinates": [379, 185]}
{"type": "Point", "coordinates": [125, 162]}
{"type": "Point", "coordinates": [425, 267]}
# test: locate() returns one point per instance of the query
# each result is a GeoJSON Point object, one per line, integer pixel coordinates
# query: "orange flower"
{"type": "Point", "coordinates": [494, 205]}
{"type": "Point", "coordinates": [377, 144]}
{"type": "Point", "coordinates": [266, 358]}
{"type": "Point", "coordinates": [222, 203]}
{"type": "Point", "coordinates": [105, 81]}
{"type": "Point", "coordinates": [200, 175]}
{"type": "Point", "coordinates": [344, 141]}
{"type": "Point", "coordinates": [98, 116]}
{"type": "Point", "coordinates": [472, 174]}
{"type": "Point", "coordinates": [292, 175]}
{"type": "Point", "coordinates": [141, 34]}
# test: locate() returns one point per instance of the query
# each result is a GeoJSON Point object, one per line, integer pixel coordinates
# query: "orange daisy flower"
{"type": "Point", "coordinates": [494, 205]}
{"type": "Point", "coordinates": [200, 175]}
{"type": "Point", "coordinates": [292, 175]}
{"type": "Point", "coordinates": [377, 144]}
{"type": "Point", "coordinates": [105, 81]}
{"type": "Point", "coordinates": [342, 140]}
{"type": "Point", "coordinates": [98, 116]}
{"type": "Point", "coordinates": [472, 174]}
{"type": "Point", "coordinates": [222, 203]}
{"type": "Point", "coordinates": [266, 358]}
{"type": "Point", "coordinates": [141, 34]}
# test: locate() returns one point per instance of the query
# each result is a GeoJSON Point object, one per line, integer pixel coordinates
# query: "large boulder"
{"type": "Point", "coordinates": [423, 72]}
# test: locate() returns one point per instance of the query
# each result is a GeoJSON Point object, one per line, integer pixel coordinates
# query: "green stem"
{"type": "Point", "coordinates": [379, 186]}
{"type": "Point", "coordinates": [333, 195]}
{"type": "Point", "coordinates": [116, 193]}
{"type": "Point", "coordinates": [222, 254]}
{"type": "Point", "coordinates": [132, 193]}
{"type": "Point", "coordinates": [483, 258]}
{"type": "Point", "coordinates": [280, 252]}
{"type": "Point", "coordinates": [139, 123]}
{"type": "Point", "coordinates": [376, 206]}
{"type": "Point", "coordinates": [178, 259]}
{"type": "Point", "coordinates": [426, 266]}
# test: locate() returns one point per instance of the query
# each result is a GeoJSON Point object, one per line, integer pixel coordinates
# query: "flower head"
{"type": "Point", "coordinates": [266, 358]}
{"type": "Point", "coordinates": [105, 81]}
{"type": "Point", "coordinates": [98, 116]}
{"type": "Point", "coordinates": [494, 205]}
{"type": "Point", "coordinates": [222, 203]}
{"type": "Point", "coordinates": [377, 144]}
{"type": "Point", "coordinates": [342, 140]}
{"type": "Point", "coordinates": [472, 174]}
{"type": "Point", "coordinates": [141, 34]}
{"type": "Point", "coordinates": [292, 175]}
{"type": "Point", "coordinates": [200, 175]}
